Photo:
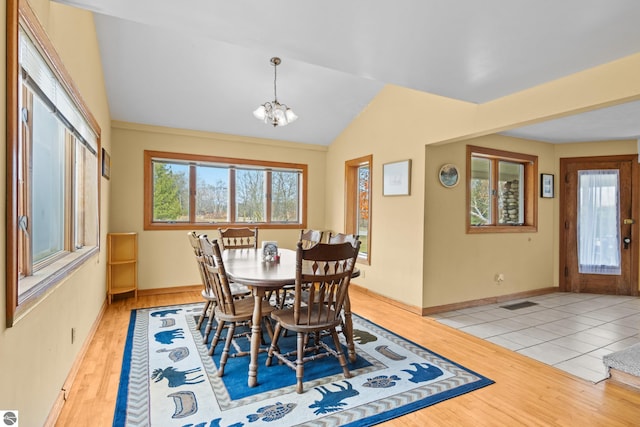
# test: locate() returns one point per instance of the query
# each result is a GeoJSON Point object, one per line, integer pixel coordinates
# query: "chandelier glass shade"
{"type": "Point", "coordinates": [275, 113]}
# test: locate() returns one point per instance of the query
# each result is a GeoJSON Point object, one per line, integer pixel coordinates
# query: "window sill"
{"type": "Point", "coordinates": [492, 229]}
{"type": "Point", "coordinates": [215, 226]}
{"type": "Point", "coordinates": [33, 288]}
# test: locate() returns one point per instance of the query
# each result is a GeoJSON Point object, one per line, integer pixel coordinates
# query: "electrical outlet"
{"type": "Point", "coordinates": [363, 274]}
{"type": "Point", "coordinates": [499, 278]}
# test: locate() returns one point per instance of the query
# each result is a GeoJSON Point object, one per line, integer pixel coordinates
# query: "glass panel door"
{"type": "Point", "coordinates": [599, 222]}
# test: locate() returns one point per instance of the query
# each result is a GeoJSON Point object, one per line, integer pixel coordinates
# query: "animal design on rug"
{"type": "Point", "coordinates": [167, 337]}
{"type": "Point", "coordinates": [422, 374]}
{"type": "Point", "coordinates": [186, 404]}
{"type": "Point", "coordinates": [167, 323]}
{"type": "Point", "coordinates": [331, 400]}
{"type": "Point", "coordinates": [382, 381]}
{"type": "Point", "coordinates": [214, 423]}
{"type": "Point", "coordinates": [176, 354]}
{"type": "Point", "coordinates": [164, 313]}
{"type": "Point", "coordinates": [174, 377]}
{"type": "Point", "coordinates": [363, 337]}
{"type": "Point", "coordinates": [272, 412]}
{"type": "Point", "coordinates": [386, 351]}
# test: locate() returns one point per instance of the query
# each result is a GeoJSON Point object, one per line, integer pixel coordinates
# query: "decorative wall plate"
{"type": "Point", "coordinates": [448, 175]}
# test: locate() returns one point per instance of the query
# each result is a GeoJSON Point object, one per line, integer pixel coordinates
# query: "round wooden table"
{"type": "Point", "coordinates": [246, 266]}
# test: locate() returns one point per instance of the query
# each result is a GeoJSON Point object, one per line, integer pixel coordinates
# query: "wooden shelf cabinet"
{"type": "Point", "coordinates": [122, 264]}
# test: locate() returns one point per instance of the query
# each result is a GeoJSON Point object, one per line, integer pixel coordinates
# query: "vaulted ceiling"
{"type": "Point", "coordinates": [204, 64]}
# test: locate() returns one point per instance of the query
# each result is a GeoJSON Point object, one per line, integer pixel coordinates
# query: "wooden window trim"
{"type": "Point", "coordinates": [148, 195]}
{"type": "Point", "coordinates": [17, 12]}
{"type": "Point", "coordinates": [530, 188]}
{"type": "Point", "coordinates": [351, 200]}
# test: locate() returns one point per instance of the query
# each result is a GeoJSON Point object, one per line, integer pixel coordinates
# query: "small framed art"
{"type": "Point", "coordinates": [106, 164]}
{"type": "Point", "coordinates": [546, 185]}
{"type": "Point", "coordinates": [396, 178]}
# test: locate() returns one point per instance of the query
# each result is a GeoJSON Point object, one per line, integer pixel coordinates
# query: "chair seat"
{"type": "Point", "coordinates": [285, 318]}
{"type": "Point", "coordinates": [209, 296]}
{"type": "Point", "coordinates": [236, 291]}
{"type": "Point", "coordinates": [244, 311]}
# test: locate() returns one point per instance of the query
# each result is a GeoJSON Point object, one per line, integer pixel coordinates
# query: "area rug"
{"type": "Point", "coordinates": [168, 379]}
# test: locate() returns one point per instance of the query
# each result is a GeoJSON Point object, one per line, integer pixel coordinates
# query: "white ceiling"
{"type": "Point", "coordinates": [204, 64]}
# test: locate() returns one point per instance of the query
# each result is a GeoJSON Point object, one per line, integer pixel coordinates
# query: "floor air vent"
{"type": "Point", "coordinates": [519, 305]}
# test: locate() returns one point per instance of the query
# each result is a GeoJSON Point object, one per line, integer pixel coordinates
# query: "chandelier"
{"type": "Point", "coordinates": [274, 113]}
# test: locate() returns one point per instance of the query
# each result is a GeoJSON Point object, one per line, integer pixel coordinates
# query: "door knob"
{"type": "Point", "coordinates": [626, 242]}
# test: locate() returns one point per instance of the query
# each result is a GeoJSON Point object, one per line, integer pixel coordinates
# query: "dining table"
{"type": "Point", "coordinates": [248, 267]}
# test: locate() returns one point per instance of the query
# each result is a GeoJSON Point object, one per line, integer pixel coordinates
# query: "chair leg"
{"type": "Point", "coordinates": [274, 344]}
{"type": "Point", "coordinates": [204, 314]}
{"type": "Point", "coordinates": [269, 327]}
{"type": "Point", "coordinates": [216, 337]}
{"type": "Point", "coordinates": [340, 354]}
{"type": "Point", "coordinates": [207, 330]}
{"type": "Point", "coordinates": [300, 362]}
{"type": "Point", "coordinates": [227, 345]}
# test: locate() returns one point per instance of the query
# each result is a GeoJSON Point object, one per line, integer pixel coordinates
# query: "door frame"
{"type": "Point", "coordinates": [635, 212]}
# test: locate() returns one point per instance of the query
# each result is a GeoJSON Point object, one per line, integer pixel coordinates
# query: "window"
{"type": "Point", "coordinates": [184, 190]}
{"type": "Point", "coordinates": [501, 191]}
{"type": "Point", "coordinates": [358, 203]}
{"type": "Point", "coordinates": [598, 222]}
{"type": "Point", "coordinates": [53, 203]}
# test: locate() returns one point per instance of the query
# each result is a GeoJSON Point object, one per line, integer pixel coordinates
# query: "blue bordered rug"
{"type": "Point", "coordinates": [168, 379]}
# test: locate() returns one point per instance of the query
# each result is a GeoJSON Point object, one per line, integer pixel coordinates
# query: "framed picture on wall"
{"type": "Point", "coordinates": [106, 164]}
{"type": "Point", "coordinates": [396, 178]}
{"type": "Point", "coordinates": [546, 185]}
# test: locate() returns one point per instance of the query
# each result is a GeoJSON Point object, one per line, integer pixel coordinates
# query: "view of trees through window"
{"type": "Point", "coordinates": [363, 207]}
{"type": "Point", "coordinates": [201, 192]}
{"type": "Point", "coordinates": [358, 203]}
{"type": "Point", "coordinates": [507, 189]}
{"type": "Point", "coordinates": [501, 189]}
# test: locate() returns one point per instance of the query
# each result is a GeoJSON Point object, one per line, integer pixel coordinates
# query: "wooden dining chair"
{"type": "Point", "coordinates": [229, 312]}
{"type": "Point", "coordinates": [239, 238]}
{"type": "Point", "coordinates": [310, 237]}
{"type": "Point", "coordinates": [238, 291]}
{"type": "Point", "coordinates": [329, 268]}
{"type": "Point", "coordinates": [341, 238]}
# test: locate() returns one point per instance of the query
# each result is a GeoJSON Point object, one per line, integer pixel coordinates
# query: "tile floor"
{"type": "Point", "coordinates": [566, 330]}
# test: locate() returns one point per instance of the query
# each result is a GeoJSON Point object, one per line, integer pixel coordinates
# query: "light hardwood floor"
{"type": "Point", "coordinates": [526, 392]}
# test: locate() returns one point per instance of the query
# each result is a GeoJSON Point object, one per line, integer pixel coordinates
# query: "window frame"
{"type": "Point", "coordinates": [149, 224]}
{"type": "Point", "coordinates": [351, 201]}
{"type": "Point", "coordinates": [530, 191]}
{"type": "Point", "coordinates": [20, 14]}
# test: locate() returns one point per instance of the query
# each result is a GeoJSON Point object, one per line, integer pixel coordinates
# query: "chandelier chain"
{"type": "Point", "coordinates": [275, 78]}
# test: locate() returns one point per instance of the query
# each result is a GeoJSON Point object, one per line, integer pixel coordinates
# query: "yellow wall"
{"type": "Point", "coordinates": [36, 353]}
{"type": "Point", "coordinates": [420, 256]}
{"type": "Point", "coordinates": [460, 266]}
{"type": "Point", "coordinates": [165, 257]}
